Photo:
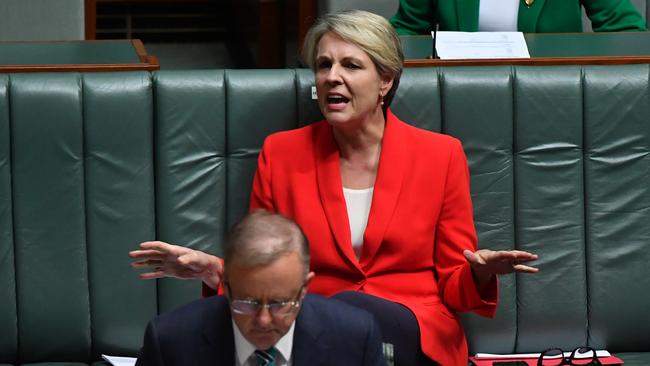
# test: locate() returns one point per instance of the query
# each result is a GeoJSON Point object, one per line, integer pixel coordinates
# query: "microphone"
{"type": "Point", "coordinates": [434, 22]}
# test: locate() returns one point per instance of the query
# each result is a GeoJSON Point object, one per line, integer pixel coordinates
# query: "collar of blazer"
{"type": "Point", "coordinates": [217, 335]}
{"type": "Point", "coordinates": [307, 349]}
{"type": "Point", "coordinates": [218, 345]}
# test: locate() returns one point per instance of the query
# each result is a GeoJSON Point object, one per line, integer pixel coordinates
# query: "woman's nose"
{"type": "Point", "coordinates": [334, 74]}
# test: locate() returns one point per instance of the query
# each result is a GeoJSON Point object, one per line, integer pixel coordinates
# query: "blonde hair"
{"type": "Point", "coordinates": [370, 32]}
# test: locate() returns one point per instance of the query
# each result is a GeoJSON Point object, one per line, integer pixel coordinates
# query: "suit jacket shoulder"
{"type": "Point", "coordinates": [331, 332]}
{"type": "Point", "coordinates": [199, 333]}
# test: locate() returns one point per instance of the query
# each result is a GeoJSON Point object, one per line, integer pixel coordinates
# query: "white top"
{"type": "Point", "coordinates": [358, 203]}
{"type": "Point", "coordinates": [498, 15]}
{"type": "Point", "coordinates": [244, 350]}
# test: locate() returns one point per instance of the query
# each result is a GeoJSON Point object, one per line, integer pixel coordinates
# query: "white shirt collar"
{"type": "Point", "coordinates": [244, 349]}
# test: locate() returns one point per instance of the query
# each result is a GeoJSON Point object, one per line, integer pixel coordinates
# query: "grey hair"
{"type": "Point", "coordinates": [262, 237]}
{"type": "Point", "coordinates": [370, 32]}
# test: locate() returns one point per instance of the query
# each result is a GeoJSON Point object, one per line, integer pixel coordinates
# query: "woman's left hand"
{"type": "Point", "coordinates": [486, 263]}
{"type": "Point", "coordinates": [500, 261]}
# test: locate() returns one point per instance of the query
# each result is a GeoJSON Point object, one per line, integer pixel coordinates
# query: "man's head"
{"type": "Point", "coordinates": [266, 262]}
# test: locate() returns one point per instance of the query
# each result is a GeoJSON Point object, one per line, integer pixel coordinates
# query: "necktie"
{"type": "Point", "coordinates": [266, 358]}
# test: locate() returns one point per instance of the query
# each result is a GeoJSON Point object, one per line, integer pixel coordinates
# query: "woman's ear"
{"type": "Point", "coordinates": [386, 84]}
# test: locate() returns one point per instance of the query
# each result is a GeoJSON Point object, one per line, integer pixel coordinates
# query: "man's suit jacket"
{"type": "Point", "coordinates": [543, 16]}
{"type": "Point", "coordinates": [327, 332]}
{"type": "Point", "coordinates": [420, 222]}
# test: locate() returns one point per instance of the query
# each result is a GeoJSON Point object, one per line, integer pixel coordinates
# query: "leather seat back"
{"type": "Point", "coordinates": [92, 164]}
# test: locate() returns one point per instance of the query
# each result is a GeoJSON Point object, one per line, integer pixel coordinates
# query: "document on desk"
{"type": "Point", "coordinates": [487, 359]}
{"type": "Point", "coordinates": [473, 45]}
{"type": "Point", "coordinates": [120, 361]}
{"type": "Point", "coordinates": [599, 353]}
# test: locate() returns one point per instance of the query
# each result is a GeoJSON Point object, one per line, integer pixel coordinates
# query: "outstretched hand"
{"type": "Point", "coordinates": [501, 261]}
{"type": "Point", "coordinates": [166, 260]}
{"type": "Point", "coordinates": [486, 263]}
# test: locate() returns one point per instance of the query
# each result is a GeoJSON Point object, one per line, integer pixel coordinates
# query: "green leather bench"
{"type": "Point", "coordinates": [92, 164]}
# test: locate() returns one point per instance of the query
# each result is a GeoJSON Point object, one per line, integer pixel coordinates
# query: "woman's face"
{"type": "Point", "coordinates": [348, 85]}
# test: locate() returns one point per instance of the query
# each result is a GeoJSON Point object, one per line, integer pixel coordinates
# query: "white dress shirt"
{"type": "Point", "coordinates": [498, 15]}
{"type": "Point", "coordinates": [244, 350]}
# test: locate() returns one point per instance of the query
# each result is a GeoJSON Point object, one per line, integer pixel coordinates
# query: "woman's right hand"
{"type": "Point", "coordinates": [166, 260]}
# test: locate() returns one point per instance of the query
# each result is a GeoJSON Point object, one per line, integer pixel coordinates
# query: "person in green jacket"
{"type": "Point", "coordinates": [529, 16]}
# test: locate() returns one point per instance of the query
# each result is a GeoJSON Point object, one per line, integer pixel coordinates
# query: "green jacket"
{"type": "Point", "coordinates": [415, 16]}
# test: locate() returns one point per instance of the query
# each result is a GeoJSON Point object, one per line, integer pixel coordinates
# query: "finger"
{"type": "Point", "coordinates": [157, 245]}
{"type": "Point", "coordinates": [152, 275]}
{"type": "Point", "coordinates": [525, 269]}
{"type": "Point", "coordinates": [514, 256]}
{"type": "Point", "coordinates": [510, 255]}
{"type": "Point", "coordinates": [522, 255]}
{"type": "Point", "coordinates": [147, 253]}
{"type": "Point", "coordinates": [519, 252]}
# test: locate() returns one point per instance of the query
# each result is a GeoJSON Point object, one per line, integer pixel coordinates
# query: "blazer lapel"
{"type": "Point", "coordinates": [528, 15]}
{"type": "Point", "coordinates": [307, 350]}
{"type": "Point", "coordinates": [218, 343]}
{"type": "Point", "coordinates": [330, 188]}
{"type": "Point", "coordinates": [388, 185]}
{"type": "Point", "coordinates": [467, 15]}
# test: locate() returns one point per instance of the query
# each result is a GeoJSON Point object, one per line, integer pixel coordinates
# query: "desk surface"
{"type": "Point", "coordinates": [549, 49]}
{"type": "Point", "coordinates": [114, 55]}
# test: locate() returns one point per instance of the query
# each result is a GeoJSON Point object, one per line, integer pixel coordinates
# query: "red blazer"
{"type": "Point", "coordinates": [419, 224]}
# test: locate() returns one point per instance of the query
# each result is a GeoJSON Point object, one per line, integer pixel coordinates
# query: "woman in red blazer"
{"type": "Point", "coordinates": [419, 224]}
{"type": "Point", "coordinates": [386, 206]}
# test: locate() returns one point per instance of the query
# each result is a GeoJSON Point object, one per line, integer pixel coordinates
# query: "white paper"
{"type": "Point", "coordinates": [599, 353]}
{"type": "Point", "coordinates": [476, 45]}
{"type": "Point", "coordinates": [120, 361]}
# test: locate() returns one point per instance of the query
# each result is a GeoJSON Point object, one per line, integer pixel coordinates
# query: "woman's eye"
{"type": "Point", "coordinates": [354, 66]}
{"type": "Point", "coordinates": [324, 65]}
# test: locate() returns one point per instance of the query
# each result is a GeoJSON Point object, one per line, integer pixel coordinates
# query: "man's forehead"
{"type": "Point", "coordinates": [284, 270]}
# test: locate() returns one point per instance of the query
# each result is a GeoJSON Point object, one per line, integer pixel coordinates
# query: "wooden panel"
{"type": "Point", "coordinates": [271, 34]}
{"type": "Point", "coordinates": [306, 18]}
{"type": "Point", "coordinates": [90, 19]}
{"type": "Point", "coordinates": [36, 62]}
{"type": "Point", "coordinates": [538, 61]}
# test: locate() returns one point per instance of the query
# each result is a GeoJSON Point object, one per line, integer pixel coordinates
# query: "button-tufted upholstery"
{"type": "Point", "coordinates": [92, 164]}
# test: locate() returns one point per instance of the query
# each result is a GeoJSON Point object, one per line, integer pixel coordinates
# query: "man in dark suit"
{"type": "Point", "coordinates": [265, 317]}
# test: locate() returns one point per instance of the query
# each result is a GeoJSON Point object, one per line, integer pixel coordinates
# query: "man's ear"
{"type": "Point", "coordinates": [308, 279]}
